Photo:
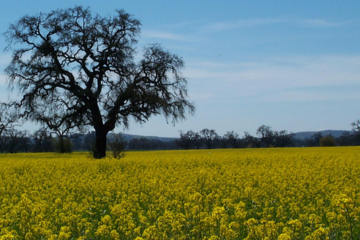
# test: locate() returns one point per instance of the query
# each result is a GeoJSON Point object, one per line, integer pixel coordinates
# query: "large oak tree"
{"type": "Point", "coordinates": [86, 63]}
{"type": "Point", "coordinates": [8, 117]}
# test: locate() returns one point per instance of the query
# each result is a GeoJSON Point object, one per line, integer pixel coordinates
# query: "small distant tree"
{"type": "Point", "coordinates": [15, 141]}
{"type": "Point", "coordinates": [327, 141]}
{"type": "Point", "coordinates": [356, 126]}
{"type": "Point", "coordinates": [231, 139]}
{"type": "Point", "coordinates": [282, 139]}
{"type": "Point", "coordinates": [189, 139]}
{"type": "Point", "coordinates": [117, 146]}
{"type": "Point", "coordinates": [42, 141]}
{"type": "Point", "coordinates": [249, 141]}
{"type": "Point", "coordinates": [266, 135]}
{"type": "Point", "coordinates": [356, 132]}
{"type": "Point", "coordinates": [209, 137]}
{"type": "Point", "coordinates": [11, 140]}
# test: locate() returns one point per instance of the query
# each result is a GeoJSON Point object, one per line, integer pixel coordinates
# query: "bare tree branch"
{"type": "Point", "coordinates": [81, 67]}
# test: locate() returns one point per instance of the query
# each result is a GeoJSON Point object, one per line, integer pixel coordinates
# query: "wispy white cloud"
{"type": "Point", "coordinates": [322, 23]}
{"type": "Point", "coordinates": [165, 35]}
{"type": "Point", "coordinates": [183, 24]}
{"type": "Point", "coordinates": [303, 95]}
{"type": "Point", "coordinates": [254, 22]}
{"type": "Point", "coordinates": [221, 26]}
{"type": "Point", "coordinates": [277, 79]}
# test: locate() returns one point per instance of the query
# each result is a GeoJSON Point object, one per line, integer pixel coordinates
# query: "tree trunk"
{"type": "Point", "coordinates": [61, 143]}
{"type": "Point", "coordinates": [100, 143]}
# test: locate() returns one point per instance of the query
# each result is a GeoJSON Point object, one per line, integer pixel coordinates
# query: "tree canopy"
{"type": "Point", "coordinates": [84, 64]}
{"type": "Point", "coordinates": [8, 117]}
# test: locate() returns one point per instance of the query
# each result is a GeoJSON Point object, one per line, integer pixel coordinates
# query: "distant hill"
{"type": "Point", "coordinates": [309, 134]}
{"type": "Point", "coordinates": [129, 137]}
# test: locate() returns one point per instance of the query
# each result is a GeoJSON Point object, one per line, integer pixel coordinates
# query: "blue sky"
{"type": "Point", "coordinates": [293, 65]}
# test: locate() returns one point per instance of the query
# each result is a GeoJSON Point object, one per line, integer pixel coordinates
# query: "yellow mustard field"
{"type": "Point", "coordinates": [299, 193]}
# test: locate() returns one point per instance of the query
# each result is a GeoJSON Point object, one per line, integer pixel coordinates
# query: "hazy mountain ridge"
{"type": "Point", "coordinates": [129, 137]}
{"type": "Point", "coordinates": [308, 134]}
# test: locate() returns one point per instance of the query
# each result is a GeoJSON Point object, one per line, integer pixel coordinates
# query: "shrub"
{"type": "Point", "coordinates": [117, 146]}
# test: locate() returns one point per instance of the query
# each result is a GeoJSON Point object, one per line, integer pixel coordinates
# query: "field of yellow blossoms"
{"type": "Point", "coordinates": [299, 193]}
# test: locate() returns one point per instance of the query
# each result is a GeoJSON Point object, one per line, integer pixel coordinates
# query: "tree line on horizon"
{"type": "Point", "coordinates": [43, 140]}
{"type": "Point", "coordinates": [265, 137]}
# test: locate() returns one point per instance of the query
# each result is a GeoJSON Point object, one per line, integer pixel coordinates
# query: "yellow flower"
{"type": "Point", "coordinates": [106, 220]}
{"type": "Point", "coordinates": [287, 193]}
{"type": "Point", "coordinates": [284, 236]}
{"type": "Point", "coordinates": [114, 235]}
{"type": "Point", "coordinates": [102, 231]}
